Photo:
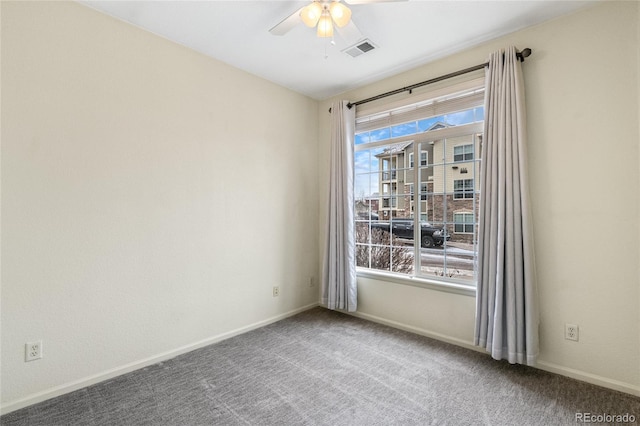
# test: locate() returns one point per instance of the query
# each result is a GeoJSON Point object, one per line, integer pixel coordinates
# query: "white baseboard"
{"type": "Point", "coordinates": [541, 365]}
{"type": "Point", "coordinates": [127, 368]}
{"type": "Point", "coordinates": [594, 379]}
{"type": "Point", "coordinates": [417, 330]}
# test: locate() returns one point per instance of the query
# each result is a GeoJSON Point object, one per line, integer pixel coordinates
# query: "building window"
{"type": "Point", "coordinates": [424, 159]}
{"type": "Point", "coordinates": [389, 203]}
{"type": "Point", "coordinates": [463, 223]}
{"type": "Point", "coordinates": [463, 188]}
{"type": "Point", "coordinates": [409, 234]}
{"type": "Point", "coordinates": [389, 166]}
{"type": "Point", "coordinates": [463, 153]}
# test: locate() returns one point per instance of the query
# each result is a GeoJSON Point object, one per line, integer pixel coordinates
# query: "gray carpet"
{"type": "Point", "coordinates": [325, 368]}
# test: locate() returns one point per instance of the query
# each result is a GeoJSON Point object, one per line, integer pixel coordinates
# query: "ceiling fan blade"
{"type": "Point", "coordinates": [287, 23]}
{"type": "Point", "coordinates": [370, 1]}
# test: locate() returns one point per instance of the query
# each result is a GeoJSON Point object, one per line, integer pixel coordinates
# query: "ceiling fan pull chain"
{"type": "Point", "coordinates": [326, 54]}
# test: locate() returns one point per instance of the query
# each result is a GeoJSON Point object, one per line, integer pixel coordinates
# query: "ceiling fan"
{"type": "Point", "coordinates": [323, 14]}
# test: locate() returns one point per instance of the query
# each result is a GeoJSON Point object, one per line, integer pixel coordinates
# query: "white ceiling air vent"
{"type": "Point", "coordinates": [363, 46]}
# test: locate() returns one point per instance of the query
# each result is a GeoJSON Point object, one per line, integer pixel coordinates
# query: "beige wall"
{"type": "Point", "coordinates": [582, 101]}
{"type": "Point", "coordinates": [127, 234]}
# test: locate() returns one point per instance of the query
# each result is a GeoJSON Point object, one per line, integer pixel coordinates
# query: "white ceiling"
{"type": "Point", "coordinates": [408, 34]}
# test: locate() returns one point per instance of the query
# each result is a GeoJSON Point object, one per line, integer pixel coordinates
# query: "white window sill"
{"type": "Point", "coordinates": [431, 284]}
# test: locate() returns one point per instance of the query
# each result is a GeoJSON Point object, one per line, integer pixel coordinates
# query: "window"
{"type": "Point", "coordinates": [463, 153]}
{"type": "Point", "coordinates": [389, 202]}
{"type": "Point", "coordinates": [463, 188]}
{"type": "Point", "coordinates": [463, 223]}
{"type": "Point", "coordinates": [429, 235]}
{"type": "Point", "coordinates": [424, 159]}
{"type": "Point", "coordinates": [389, 166]}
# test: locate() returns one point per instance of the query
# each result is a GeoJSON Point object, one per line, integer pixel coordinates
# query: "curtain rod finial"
{"type": "Point", "coordinates": [526, 52]}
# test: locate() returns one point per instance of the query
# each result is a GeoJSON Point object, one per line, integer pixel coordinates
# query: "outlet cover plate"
{"type": "Point", "coordinates": [571, 332]}
{"type": "Point", "coordinates": [33, 351]}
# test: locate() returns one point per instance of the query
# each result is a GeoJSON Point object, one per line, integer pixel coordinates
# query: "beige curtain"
{"type": "Point", "coordinates": [507, 301]}
{"type": "Point", "coordinates": [339, 290]}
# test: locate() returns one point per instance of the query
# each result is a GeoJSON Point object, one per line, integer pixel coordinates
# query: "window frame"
{"type": "Point", "coordinates": [465, 191]}
{"type": "Point", "coordinates": [464, 223]}
{"type": "Point", "coordinates": [423, 163]}
{"type": "Point", "coordinates": [453, 285]}
{"type": "Point", "coordinates": [426, 158]}
{"type": "Point", "coordinates": [459, 286]}
{"type": "Point", "coordinates": [464, 153]}
{"type": "Point", "coordinates": [424, 191]}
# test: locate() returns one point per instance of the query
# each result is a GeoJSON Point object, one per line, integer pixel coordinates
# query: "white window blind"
{"type": "Point", "coordinates": [418, 105]}
{"type": "Point", "coordinates": [419, 111]}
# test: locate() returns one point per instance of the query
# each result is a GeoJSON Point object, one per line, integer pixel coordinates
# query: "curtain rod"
{"type": "Point", "coordinates": [520, 55]}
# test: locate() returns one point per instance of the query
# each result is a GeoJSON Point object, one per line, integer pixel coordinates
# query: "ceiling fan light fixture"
{"type": "Point", "coordinates": [340, 13]}
{"type": "Point", "coordinates": [311, 14]}
{"type": "Point", "coordinates": [325, 26]}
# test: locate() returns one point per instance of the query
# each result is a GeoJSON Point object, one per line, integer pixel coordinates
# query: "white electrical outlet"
{"type": "Point", "coordinates": [311, 282]}
{"type": "Point", "coordinates": [571, 332]}
{"type": "Point", "coordinates": [276, 291]}
{"type": "Point", "coordinates": [33, 351]}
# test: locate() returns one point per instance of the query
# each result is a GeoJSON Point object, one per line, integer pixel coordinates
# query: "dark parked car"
{"type": "Point", "coordinates": [430, 235]}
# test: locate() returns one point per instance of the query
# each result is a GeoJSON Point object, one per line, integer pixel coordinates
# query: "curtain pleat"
{"type": "Point", "coordinates": [507, 302]}
{"type": "Point", "coordinates": [339, 289]}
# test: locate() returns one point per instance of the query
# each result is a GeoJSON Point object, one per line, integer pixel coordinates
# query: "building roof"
{"type": "Point", "coordinates": [395, 149]}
